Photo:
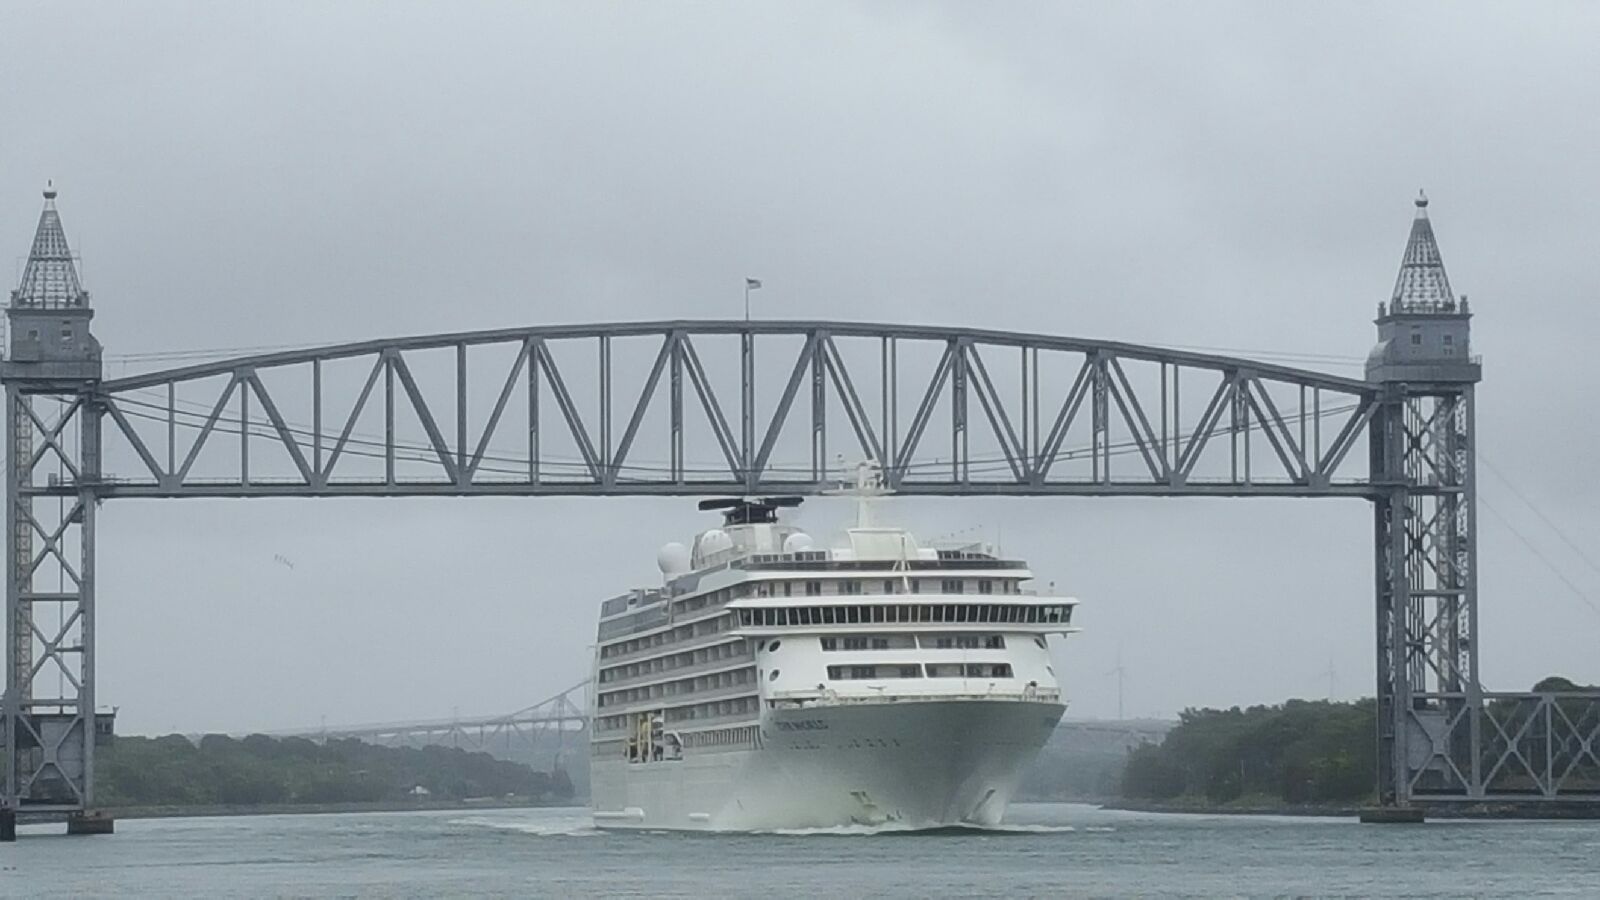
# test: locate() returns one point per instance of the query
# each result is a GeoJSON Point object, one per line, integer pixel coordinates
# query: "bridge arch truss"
{"type": "Point", "coordinates": [678, 408]}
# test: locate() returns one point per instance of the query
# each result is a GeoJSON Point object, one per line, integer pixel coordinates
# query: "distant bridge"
{"type": "Point", "coordinates": [522, 732]}
{"type": "Point", "coordinates": [530, 729]}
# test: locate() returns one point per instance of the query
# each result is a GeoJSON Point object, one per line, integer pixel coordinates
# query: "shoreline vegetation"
{"type": "Point", "coordinates": [1299, 754]}
{"type": "Point", "coordinates": [221, 775]}
{"type": "Point", "coordinates": [1306, 758]}
{"type": "Point", "coordinates": [1265, 807]}
{"type": "Point", "coordinates": [304, 809]}
{"type": "Point", "coordinates": [1298, 758]}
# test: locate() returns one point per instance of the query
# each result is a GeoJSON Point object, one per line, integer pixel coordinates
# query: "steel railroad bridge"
{"type": "Point", "coordinates": [740, 408]}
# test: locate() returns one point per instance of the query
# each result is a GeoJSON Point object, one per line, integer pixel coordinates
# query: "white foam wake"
{"type": "Point", "coordinates": [891, 828]}
{"type": "Point", "coordinates": [536, 829]}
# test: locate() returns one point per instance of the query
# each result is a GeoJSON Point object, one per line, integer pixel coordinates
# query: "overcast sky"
{"type": "Point", "coordinates": [1223, 176]}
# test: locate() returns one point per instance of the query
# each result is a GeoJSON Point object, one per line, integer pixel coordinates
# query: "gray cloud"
{"type": "Point", "coordinates": [1233, 176]}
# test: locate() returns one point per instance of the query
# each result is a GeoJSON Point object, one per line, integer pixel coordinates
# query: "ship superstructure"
{"type": "Point", "coordinates": [772, 684]}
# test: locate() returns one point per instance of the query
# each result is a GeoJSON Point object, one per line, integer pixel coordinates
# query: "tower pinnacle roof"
{"type": "Point", "coordinates": [1422, 285]}
{"type": "Point", "coordinates": [50, 279]}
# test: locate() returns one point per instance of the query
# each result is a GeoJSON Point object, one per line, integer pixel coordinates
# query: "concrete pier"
{"type": "Point", "coordinates": [90, 823]}
{"type": "Point", "coordinates": [1392, 815]}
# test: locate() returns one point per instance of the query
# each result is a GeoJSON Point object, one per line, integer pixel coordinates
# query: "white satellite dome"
{"type": "Point", "coordinates": [714, 541]}
{"type": "Point", "coordinates": [673, 559]}
{"type": "Point", "coordinates": [797, 542]}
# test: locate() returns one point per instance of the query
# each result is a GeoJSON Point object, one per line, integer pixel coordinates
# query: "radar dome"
{"type": "Point", "coordinates": [797, 542]}
{"type": "Point", "coordinates": [714, 541]}
{"type": "Point", "coordinates": [673, 559]}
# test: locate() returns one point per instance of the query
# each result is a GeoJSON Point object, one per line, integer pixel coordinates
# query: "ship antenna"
{"type": "Point", "coordinates": [869, 486]}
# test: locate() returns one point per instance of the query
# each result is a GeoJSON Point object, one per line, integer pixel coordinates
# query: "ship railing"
{"type": "Point", "coordinates": [810, 699]}
{"type": "Point", "coordinates": [774, 562]}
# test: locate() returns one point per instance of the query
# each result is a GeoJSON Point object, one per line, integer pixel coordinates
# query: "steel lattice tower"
{"type": "Point", "coordinates": [1423, 460]}
{"type": "Point", "coordinates": [50, 373]}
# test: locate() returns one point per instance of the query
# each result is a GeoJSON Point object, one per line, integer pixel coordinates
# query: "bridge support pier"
{"type": "Point", "coordinates": [1392, 815]}
{"type": "Point", "coordinates": [91, 823]}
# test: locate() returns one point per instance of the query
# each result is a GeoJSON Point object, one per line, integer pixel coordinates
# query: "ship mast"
{"type": "Point", "coordinates": [868, 488]}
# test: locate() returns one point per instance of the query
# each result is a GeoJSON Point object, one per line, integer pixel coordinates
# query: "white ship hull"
{"type": "Point", "coordinates": [907, 763]}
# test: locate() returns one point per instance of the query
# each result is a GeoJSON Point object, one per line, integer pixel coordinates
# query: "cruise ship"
{"type": "Point", "coordinates": [768, 684]}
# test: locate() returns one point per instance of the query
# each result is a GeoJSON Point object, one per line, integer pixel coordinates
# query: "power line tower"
{"type": "Point", "coordinates": [1423, 458]}
{"type": "Point", "coordinates": [50, 374]}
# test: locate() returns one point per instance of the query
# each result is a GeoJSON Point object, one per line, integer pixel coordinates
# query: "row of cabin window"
{"type": "Point", "coordinates": [712, 682]}
{"type": "Point", "coordinates": [681, 633]}
{"type": "Point", "coordinates": [867, 615]}
{"type": "Point", "coordinates": [853, 586]}
{"type": "Point", "coordinates": [673, 661]}
{"type": "Point", "coordinates": [611, 723]}
{"type": "Point", "coordinates": [822, 556]}
{"type": "Point", "coordinates": [824, 588]}
{"type": "Point", "coordinates": [736, 706]}
{"type": "Point", "coordinates": [915, 670]}
{"type": "Point", "coordinates": [906, 642]}
{"type": "Point", "coordinates": [817, 587]}
{"type": "Point", "coordinates": [714, 598]}
{"type": "Point", "coordinates": [812, 588]}
{"type": "Point", "coordinates": [633, 623]}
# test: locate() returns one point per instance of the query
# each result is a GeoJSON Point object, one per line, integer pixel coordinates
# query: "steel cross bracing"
{"type": "Point", "coordinates": [49, 729]}
{"type": "Point", "coordinates": [1441, 736]}
{"type": "Point", "coordinates": [945, 410]}
{"type": "Point", "coordinates": [48, 724]}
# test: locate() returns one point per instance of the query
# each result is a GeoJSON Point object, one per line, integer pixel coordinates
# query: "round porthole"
{"type": "Point", "coordinates": [773, 675]}
{"type": "Point", "coordinates": [772, 647]}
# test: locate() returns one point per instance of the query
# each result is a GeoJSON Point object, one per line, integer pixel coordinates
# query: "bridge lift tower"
{"type": "Point", "coordinates": [49, 724]}
{"type": "Point", "coordinates": [1423, 463]}
{"type": "Point", "coordinates": [1442, 738]}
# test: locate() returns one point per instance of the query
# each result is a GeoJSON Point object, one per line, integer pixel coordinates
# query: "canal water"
{"type": "Point", "coordinates": [1049, 850]}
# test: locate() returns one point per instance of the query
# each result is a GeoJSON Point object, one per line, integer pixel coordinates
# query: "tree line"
{"type": "Point", "coordinates": [1298, 752]}
{"type": "Point", "coordinates": [1310, 752]}
{"type": "Point", "coordinates": [225, 771]}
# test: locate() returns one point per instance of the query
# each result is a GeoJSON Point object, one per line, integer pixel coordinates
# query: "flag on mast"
{"type": "Point", "coordinates": [750, 284]}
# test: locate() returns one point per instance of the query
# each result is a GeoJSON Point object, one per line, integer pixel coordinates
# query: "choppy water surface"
{"type": "Point", "coordinates": [1049, 850]}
